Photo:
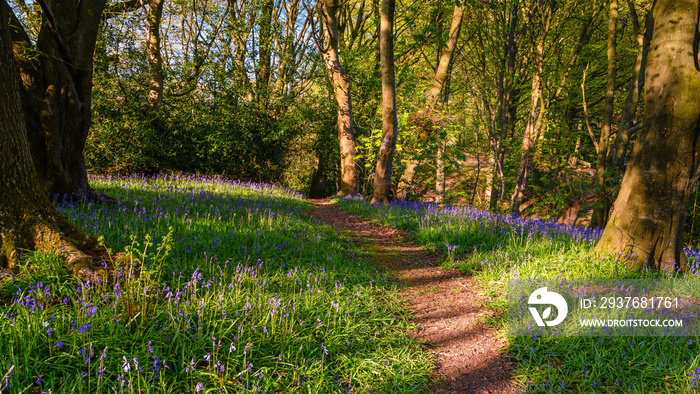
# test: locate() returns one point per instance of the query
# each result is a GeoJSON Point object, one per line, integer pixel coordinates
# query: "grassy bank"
{"type": "Point", "coordinates": [226, 287]}
{"type": "Point", "coordinates": [497, 248]}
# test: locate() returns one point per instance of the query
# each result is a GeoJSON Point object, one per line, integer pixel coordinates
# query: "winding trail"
{"type": "Point", "coordinates": [446, 305]}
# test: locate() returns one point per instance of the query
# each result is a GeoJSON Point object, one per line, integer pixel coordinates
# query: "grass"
{"type": "Point", "coordinates": [226, 287]}
{"type": "Point", "coordinates": [498, 248]}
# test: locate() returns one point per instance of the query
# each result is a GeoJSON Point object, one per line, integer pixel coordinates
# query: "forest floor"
{"type": "Point", "coordinates": [447, 306]}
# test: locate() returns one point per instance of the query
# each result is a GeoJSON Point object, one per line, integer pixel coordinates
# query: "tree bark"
{"type": "Point", "coordinates": [341, 90]}
{"type": "Point", "coordinates": [390, 126]}
{"type": "Point", "coordinates": [600, 212]}
{"type": "Point", "coordinates": [435, 95]}
{"type": "Point", "coordinates": [57, 90]}
{"type": "Point", "coordinates": [646, 224]}
{"type": "Point", "coordinates": [155, 58]}
{"type": "Point", "coordinates": [28, 220]}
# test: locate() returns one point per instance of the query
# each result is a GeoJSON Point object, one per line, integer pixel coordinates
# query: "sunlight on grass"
{"type": "Point", "coordinates": [225, 287]}
{"type": "Point", "coordinates": [497, 248]}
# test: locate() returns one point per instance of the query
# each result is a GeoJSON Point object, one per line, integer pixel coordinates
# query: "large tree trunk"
{"type": "Point", "coordinates": [28, 221]}
{"type": "Point", "coordinates": [390, 126]}
{"type": "Point", "coordinates": [646, 224]}
{"type": "Point", "coordinates": [57, 91]}
{"type": "Point", "coordinates": [435, 95]}
{"type": "Point", "coordinates": [600, 213]}
{"type": "Point", "coordinates": [341, 89]}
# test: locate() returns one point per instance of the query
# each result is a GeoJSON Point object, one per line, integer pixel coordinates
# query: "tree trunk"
{"type": "Point", "coordinates": [502, 120]}
{"type": "Point", "coordinates": [390, 126]}
{"type": "Point", "coordinates": [286, 64]}
{"type": "Point", "coordinates": [535, 115]}
{"type": "Point", "coordinates": [56, 91]}
{"type": "Point", "coordinates": [646, 224]}
{"type": "Point", "coordinates": [491, 188]}
{"type": "Point", "coordinates": [618, 149]}
{"type": "Point", "coordinates": [440, 169]}
{"type": "Point", "coordinates": [240, 24]}
{"type": "Point", "coordinates": [263, 71]}
{"type": "Point", "coordinates": [600, 213]}
{"type": "Point", "coordinates": [155, 59]}
{"type": "Point", "coordinates": [434, 95]}
{"type": "Point", "coordinates": [341, 89]}
{"type": "Point", "coordinates": [28, 221]}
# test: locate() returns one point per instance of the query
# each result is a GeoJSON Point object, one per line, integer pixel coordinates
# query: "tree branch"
{"type": "Point", "coordinates": [120, 8]}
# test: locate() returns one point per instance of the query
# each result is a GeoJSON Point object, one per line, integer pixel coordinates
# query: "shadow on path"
{"type": "Point", "coordinates": [446, 305]}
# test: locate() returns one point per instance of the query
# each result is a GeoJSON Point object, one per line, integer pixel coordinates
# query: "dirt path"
{"type": "Point", "coordinates": [445, 304]}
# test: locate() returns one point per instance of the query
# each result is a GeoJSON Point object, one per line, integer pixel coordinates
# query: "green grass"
{"type": "Point", "coordinates": [497, 248]}
{"type": "Point", "coordinates": [226, 287]}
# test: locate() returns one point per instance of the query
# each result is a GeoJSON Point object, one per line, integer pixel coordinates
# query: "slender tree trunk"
{"type": "Point", "coordinates": [56, 90]}
{"type": "Point", "coordinates": [600, 213]}
{"type": "Point", "coordinates": [241, 21]}
{"type": "Point", "coordinates": [617, 152]}
{"type": "Point", "coordinates": [503, 118]}
{"type": "Point", "coordinates": [341, 89]}
{"type": "Point", "coordinates": [442, 74]}
{"type": "Point", "coordinates": [154, 15]}
{"type": "Point", "coordinates": [390, 126]}
{"type": "Point", "coordinates": [28, 221]}
{"type": "Point", "coordinates": [435, 95]}
{"type": "Point", "coordinates": [286, 60]}
{"type": "Point", "coordinates": [263, 72]}
{"type": "Point", "coordinates": [535, 116]}
{"type": "Point", "coordinates": [440, 170]}
{"type": "Point", "coordinates": [491, 189]}
{"type": "Point", "coordinates": [646, 224]}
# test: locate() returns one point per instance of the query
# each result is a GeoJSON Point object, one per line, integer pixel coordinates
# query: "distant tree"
{"type": "Point", "coordinates": [646, 224]}
{"type": "Point", "coordinates": [542, 15]}
{"type": "Point", "coordinates": [390, 127]}
{"type": "Point", "coordinates": [56, 74]}
{"type": "Point", "coordinates": [28, 220]}
{"type": "Point", "coordinates": [437, 94]}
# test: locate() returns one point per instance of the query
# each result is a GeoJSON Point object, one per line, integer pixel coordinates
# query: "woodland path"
{"type": "Point", "coordinates": [446, 305]}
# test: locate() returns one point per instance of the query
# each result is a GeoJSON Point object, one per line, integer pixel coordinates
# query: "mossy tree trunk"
{"type": "Point", "coordinates": [28, 221]}
{"type": "Point", "coordinates": [56, 82]}
{"type": "Point", "coordinates": [646, 224]}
